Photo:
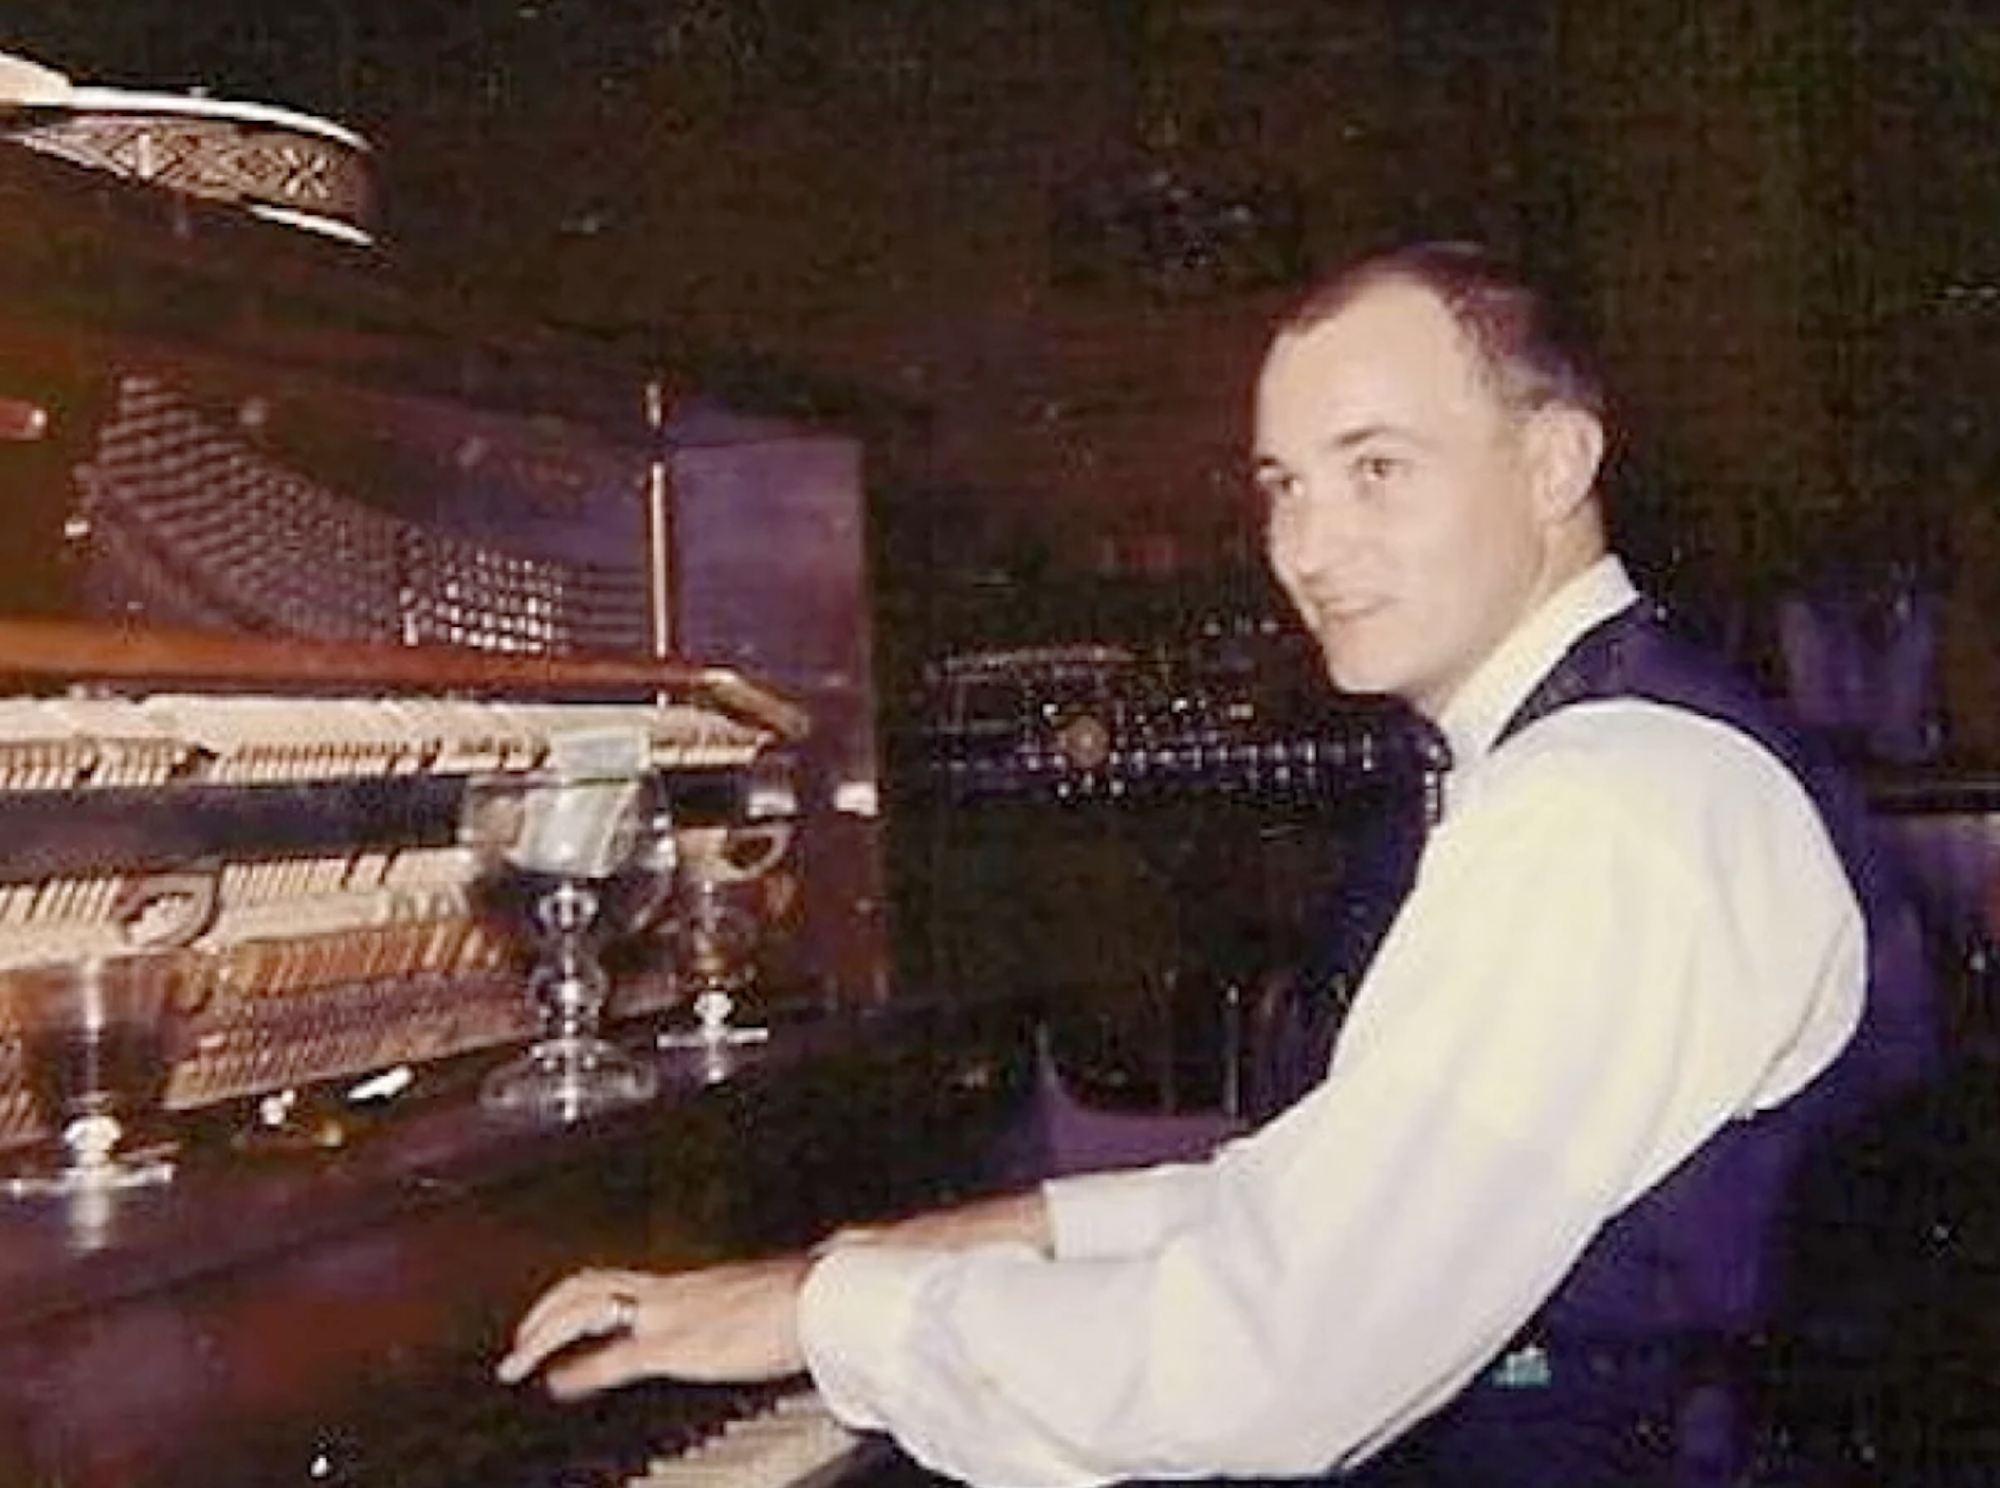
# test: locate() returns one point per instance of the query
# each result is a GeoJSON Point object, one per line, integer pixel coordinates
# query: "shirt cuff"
{"type": "Point", "coordinates": [856, 1312]}
{"type": "Point", "coordinates": [1099, 1216]}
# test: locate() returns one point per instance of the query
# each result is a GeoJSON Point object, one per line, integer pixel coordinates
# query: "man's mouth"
{"type": "Point", "coordinates": [1345, 611]}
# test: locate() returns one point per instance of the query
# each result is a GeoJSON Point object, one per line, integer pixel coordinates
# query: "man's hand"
{"type": "Point", "coordinates": [725, 1323]}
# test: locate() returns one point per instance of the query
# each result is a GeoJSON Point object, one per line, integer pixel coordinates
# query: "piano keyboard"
{"type": "Point", "coordinates": [650, 1434]}
{"type": "Point", "coordinates": [793, 1442]}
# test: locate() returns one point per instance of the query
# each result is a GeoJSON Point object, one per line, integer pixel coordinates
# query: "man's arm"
{"type": "Point", "coordinates": [599, 1329]}
{"type": "Point", "coordinates": [1003, 1219]}
{"type": "Point", "coordinates": [1581, 989]}
{"type": "Point", "coordinates": [1578, 992]}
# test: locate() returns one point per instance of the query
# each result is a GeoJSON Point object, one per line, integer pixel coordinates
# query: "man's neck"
{"type": "Point", "coordinates": [1478, 709]}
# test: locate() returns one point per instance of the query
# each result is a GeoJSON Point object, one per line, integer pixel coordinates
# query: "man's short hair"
{"type": "Point", "coordinates": [1525, 344]}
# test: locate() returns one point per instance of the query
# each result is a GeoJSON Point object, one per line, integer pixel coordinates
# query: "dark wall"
{"type": "Point", "coordinates": [1031, 244]}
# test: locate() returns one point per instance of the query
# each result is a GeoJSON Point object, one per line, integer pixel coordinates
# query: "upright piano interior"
{"type": "Point", "coordinates": [296, 563]}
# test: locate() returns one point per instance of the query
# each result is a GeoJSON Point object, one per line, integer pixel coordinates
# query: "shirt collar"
{"type": "Point", "coordinates": [1472, 720]}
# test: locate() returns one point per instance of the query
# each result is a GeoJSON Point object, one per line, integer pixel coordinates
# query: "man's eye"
{"type": "Point", "coordinates": [1276, 487]}
{"type": "Point", "coordinates": [1375, 470]}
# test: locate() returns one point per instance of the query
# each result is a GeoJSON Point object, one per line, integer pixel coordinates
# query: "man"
{"type": "Point", "coordinates": [1630, 934]}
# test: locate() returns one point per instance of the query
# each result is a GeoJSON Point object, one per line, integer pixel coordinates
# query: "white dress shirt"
{"type": "Point", "coordinates": [1629, 929]}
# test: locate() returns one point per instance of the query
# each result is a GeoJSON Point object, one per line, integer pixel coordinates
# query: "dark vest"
{"type": "Point", "coordinates": [1638, 1353]}
{"type": "Point", "coordinates": [1697, 1256]}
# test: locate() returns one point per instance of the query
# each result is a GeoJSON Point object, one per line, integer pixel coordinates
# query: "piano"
{"type": "Point", "coordinates": [298, 562]}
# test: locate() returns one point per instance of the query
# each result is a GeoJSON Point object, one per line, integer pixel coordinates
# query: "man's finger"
{"type": "Point", "coordinates": [553, 1327]}
{"type": "Point", "coordinates": [617, 1361]}
{"type": "Point", "coordinates": [527, 1354]}
{"type": "Point", "coordinates": [549, 1305]}
{"type": "Point", "coordinates": [578, 1290]}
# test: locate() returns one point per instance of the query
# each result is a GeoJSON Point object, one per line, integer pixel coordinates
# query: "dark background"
{"type": "Point", "coordinates": [1029, 246]}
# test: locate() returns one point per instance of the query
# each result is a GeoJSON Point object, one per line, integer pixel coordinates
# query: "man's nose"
{"type": "Point", "coordinates": [1321, 532]}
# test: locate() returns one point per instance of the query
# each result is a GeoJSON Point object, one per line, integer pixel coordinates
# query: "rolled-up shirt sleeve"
{"type": "Point", "coordinates": [1580, 990]}
{"type": "Point", "coordinates": [1099, 1215]}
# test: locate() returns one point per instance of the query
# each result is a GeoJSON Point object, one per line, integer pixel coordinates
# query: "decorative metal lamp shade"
{"type": "Point", "coordinates": [280, 164]}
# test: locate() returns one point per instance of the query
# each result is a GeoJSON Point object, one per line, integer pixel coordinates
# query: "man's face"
{"type": "Point", "coordinates": [1403, 514]}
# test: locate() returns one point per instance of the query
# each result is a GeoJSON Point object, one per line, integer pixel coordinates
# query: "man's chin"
{"type": "Point", "coordinates": [1363, 685]}
{"type": "Point", "coordinates": [1360, 681]}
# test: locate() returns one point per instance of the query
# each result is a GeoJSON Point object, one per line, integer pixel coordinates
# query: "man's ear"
{"type": "Point", "coordinates": [1565, 452]}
